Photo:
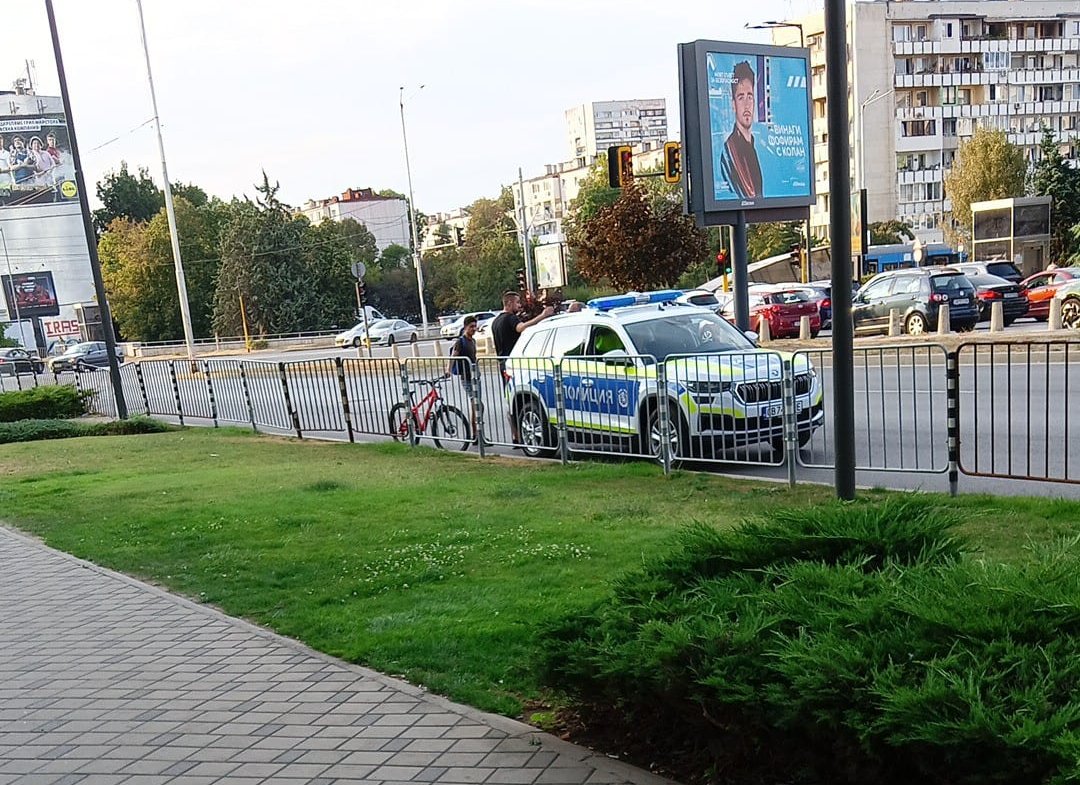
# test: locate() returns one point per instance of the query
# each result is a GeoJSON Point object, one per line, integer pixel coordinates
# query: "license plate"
{"type": "Point", "coordinates": [777, 409]}
{"type": "Point", "coordinates": [1011, 295]}
{"type": "Point", "coordinates": [961, 301]}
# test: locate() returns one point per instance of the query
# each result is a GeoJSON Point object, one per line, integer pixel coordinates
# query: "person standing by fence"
{"type": "Point", "coordinates": [462, 362]}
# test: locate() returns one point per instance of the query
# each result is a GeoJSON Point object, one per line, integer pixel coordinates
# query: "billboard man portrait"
{"type": "Point", "coordinates": [739, 160]}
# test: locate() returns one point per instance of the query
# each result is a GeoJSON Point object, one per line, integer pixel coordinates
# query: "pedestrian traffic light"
{"type": "Point", "coordinates": [459, 236]}
{"type": "Point", "coordinates": [620, 159]}
{"type": "Point", "coordinates": [723, 262]}
{"type": "Point", "coordinates": [672, 161]}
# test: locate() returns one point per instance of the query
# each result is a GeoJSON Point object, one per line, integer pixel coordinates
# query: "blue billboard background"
{"type": "Point", "coordinates": [781, 137]}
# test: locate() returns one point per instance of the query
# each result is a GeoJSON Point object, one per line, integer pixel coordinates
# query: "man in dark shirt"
{"type": "Point", "coordinates": [738, 160]}
{"type": "Point", "coordinates": [505, 331]}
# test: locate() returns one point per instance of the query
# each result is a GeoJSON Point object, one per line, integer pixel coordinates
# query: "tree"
{"type": "Point", "coordinates": [764, 240]}
{"type": "Point", "coordinates": [1053, 176]}
{"type": "Point", "coordinates": [987, 166]}
{"type": "Point", "coordinates": [890, 232]}
{"type": "Point", "coordinates": [139, 271]}
{"type": "Point", "coordinates": [394, 256]}
{"type": "Point", "coordinates": [123, 195]}
{"type": "Point", "coordinates": [638, 245]}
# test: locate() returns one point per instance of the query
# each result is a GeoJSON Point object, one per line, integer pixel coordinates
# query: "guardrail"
{"type": "Point", "coordinates": [984, 409]}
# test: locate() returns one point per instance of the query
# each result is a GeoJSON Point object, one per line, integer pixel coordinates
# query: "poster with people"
{"type": "Point", "coordinates": [758, 110]}
{"type": "Point", "coordinates": [30, 295]}
{"type": "Point", "coordinates": [35, 161]}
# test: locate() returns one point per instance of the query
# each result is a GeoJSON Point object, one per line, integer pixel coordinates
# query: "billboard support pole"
{"type": "Point", "coordinates": [526, 247]}
{"type": "Point", "coordinates": [739, 268]}
{"type": "Point", "coordinates": [840, 229]}
{"type": "Point", "coordinates": [11, 288]}
{"type": "Point", "coordinates": [170, 212]}
{"type": "Point", "coordinates": [88, 227]}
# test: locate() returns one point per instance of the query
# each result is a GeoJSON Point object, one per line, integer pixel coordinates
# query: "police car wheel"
{"type": "Point", "coordinates": [534, 430]}
{"type": "Point", "coordinates": [677, 436]}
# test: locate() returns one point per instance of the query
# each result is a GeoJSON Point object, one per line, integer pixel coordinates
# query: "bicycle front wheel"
{"type": "Point", "coordinates": [400, 415]}
{"type": "Point", "coordinates": [450, 425]}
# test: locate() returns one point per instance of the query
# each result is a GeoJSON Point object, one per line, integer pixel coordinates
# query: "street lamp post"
{"type": "Point", "coordinates": [808, 240]}
{"type": "Point", "coordinates": [417, 258]}
{"type": "Point", "coordinates": [873, 98]}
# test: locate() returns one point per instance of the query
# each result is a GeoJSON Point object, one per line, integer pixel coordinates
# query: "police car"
{"type": "Point", "coordinates": [623, 359]}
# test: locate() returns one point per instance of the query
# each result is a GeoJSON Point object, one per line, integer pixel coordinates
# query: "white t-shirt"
{"type": "Point", "coordinates": [5, 166]}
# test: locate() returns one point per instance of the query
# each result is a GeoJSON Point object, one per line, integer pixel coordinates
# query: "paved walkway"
{"type": "Point", "coordinates": [106, 680]}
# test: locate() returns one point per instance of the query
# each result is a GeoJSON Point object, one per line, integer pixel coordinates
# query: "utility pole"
{"type": "Point", "coordinates": [88, 227]}
{"type": "Point", "coordinates": [526, 246]}
{"type": "Point", "coordinates": [11, 285]}
{"type": "Point", "coordinates": [417, 258]}
{"type": "Point", "coordinates": [170, 212]}
{"type": "Point", "coordinates": [836, 66]}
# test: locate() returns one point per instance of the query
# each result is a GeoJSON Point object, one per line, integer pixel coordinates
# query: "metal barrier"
{"type": "Point", "coordinates": [371, 388]}
{"type": "Point", "coordinates": [227, 382]}
{"type": "Point", "coordinates": [267, 387]}
{"type": "Point", "coordinates": [315, 396]}
{"type": "Point", "coordinates": [901, 423]}
{"type": "Point", "coordinates": [500, 419]}
{"type": "Point", "coordinates": [1019, 417]}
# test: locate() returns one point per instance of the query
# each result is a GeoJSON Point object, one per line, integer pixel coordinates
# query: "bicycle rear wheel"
{"type": "Point", "coordinates": [400, 415]}
{"type": "Point", "coordinates": [450, 425]}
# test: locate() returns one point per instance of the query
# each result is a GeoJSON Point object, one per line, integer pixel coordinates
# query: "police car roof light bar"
{"type": "Point", "coordinates": [634, 298]}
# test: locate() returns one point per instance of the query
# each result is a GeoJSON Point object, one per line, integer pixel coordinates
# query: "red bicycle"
{"type": "Point", "coordinates": [447, 422]}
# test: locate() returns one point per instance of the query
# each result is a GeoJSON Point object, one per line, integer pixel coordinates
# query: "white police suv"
{"type": "Point", "coordinates": [625, 359]}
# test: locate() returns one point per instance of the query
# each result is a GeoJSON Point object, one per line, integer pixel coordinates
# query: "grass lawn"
{"type": "Point", "coordinates": [431, 565]}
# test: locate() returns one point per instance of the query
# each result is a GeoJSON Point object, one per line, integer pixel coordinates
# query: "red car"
{"type": "Point", "coordinates": [782, 308]}
{"type": "Point", "coordinates": [1039, 289]}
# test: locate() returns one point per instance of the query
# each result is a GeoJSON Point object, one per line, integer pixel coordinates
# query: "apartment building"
{"type": "Point", "coordinates": [593, 127]}
{"type": "Point", "coordinates": [386, 217]}
{"type": "Point", "coordinates": [923, 75]}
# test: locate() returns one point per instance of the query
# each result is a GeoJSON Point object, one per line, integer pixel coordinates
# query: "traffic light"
{"type": "Point", "coordinates": [522, 284]}
{"type": "Point", "coordinates": [459, 236]}
{"type": "Point", "coordinates": [672, 162]}
{"type": "Point", "coordinates": [723, 262]}
{"type": "Point", "coordinates": [620, 162]}
{"type": "Point", "coordinates": [361, 293]}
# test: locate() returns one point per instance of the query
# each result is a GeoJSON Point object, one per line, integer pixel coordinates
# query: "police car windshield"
{"type": "Point", "coordinates": [686, 333]}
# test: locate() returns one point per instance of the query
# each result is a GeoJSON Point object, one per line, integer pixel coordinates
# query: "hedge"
{"type": "Point", "coordinates": [45, 402]}
{"type": "Point", "coordinates": [850, 643]}
{"type": "Point", "coordinates": [34, 430]}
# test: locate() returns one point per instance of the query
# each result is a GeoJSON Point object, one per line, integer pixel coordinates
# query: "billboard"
{"type": "Point", "coordinates": [35, 161]}
{"type": "Point", "coordinates": [30, 295]}
{"type": "Point", "coordinates": [550, 273]}
{"type": "Point", "coordinates": [746, 131]}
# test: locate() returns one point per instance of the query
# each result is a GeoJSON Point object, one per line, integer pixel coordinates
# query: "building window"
{"type": "Point", "coordinates": [948, 126]}
{"type": "Point", "coordinates": [948, 29]}
{"type": "Point", "coordinates": [918, 128]}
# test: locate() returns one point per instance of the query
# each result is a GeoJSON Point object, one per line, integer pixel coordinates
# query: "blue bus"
{"type": "Point", "coordinates": [890, 257]}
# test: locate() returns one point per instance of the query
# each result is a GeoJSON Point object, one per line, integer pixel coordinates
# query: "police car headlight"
{"type": "Point", "coordinates": [708, 388]}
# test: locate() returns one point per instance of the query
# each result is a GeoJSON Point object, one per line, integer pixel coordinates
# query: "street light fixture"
{"type": "Point", "coordinates": [773, 25]}
{"type": "Point", "coordinates": [417, 258]}
{"type": "Point", "coordinates": [873, 98]}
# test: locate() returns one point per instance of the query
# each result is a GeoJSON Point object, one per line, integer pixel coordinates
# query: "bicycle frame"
{"type": "Point", "coordinates": [422, 411]}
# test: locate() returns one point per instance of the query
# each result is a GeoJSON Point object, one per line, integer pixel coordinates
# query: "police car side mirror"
{"type": "Point", "coordinates": [751, 336]}
{"type": "Point", "coordinates": [617, 357]}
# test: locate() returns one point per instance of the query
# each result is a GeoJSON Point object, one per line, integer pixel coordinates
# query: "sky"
{"type": "Point", "coordinates": [309, 92]}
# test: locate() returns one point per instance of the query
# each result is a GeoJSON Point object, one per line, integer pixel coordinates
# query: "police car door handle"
{"type": "Point", "coordinates": [586, 382]}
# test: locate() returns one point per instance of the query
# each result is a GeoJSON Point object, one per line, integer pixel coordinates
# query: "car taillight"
{"type": "Point", "coordinates": [990, 294]}
{"type": "Point", "coordinates": [775, 308]}
{"type": "Point", "coordinates": [939, 298]}
{"type": "Point", "coordinates": [826, 303]}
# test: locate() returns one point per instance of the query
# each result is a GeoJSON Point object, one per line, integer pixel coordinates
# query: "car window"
{"type": "Point", "coordinates": [696, 333]}
{"type": "Point", "coordinates": [876, 288]}
{"type": "Point", "coordinates": [1038, 280]}
{"type": "Point", "coordinates": [788, 297]}
{"type": "Point", "coordinates": [605, 340]}
{"type": "Point", "coordinates": [1063, 277]}
{"type": "Point", "coordinates": [907, 284]}
{"type": "Point", "coordinates": [951, 282]}
{"type": "Point", "coordinates": [707, 300]}
{"type": "Point", "coordinates": [569, 339]}
{"type": "Point", "coordinates": [533, 345]}
{"type": "Point", "coordinates": [1002, 269]}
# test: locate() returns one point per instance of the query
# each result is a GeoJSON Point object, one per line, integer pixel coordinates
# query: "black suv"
{"type": "Point", "coordinates": [918, 294]}
{"type": "Point", "coordinates": [1006, 270]}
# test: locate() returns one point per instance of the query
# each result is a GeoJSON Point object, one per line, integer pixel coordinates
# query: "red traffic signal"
{"type": "Point", "coordinates": [620, 165]}
{"type": "Point", "coordinates": [722, 261]}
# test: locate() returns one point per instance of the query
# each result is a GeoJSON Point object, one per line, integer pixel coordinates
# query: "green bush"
{"type": "Point", "coordinates": [43, 403]}
{"type": "Point", "coordinates": [843, 644]}
{"type": "Point", "coordinates": [34, 430]}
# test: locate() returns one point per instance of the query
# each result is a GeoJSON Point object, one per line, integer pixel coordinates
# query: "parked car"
{"type": "Point", "coordinates": [17, 361]}
{"type": "Point", "coordinates": [1002, 269]}
{"type": "Point", "coordinates": [384, 332]}
{"type": "Point", "coordinates": [918, 294]}
{"type": "Point", "coordinates": [702, 297]}
{"type": "Point", "coordinates": [1069, 294]}
{"type": "Point", "coordinates": [85, 356]}
{"type": "Point", "coordinates": [453, 329]}
{"type": "Point", "coordinates": [781, 307]}
{"type": "Point", "coordinates": [990, 289]}
{"type": "Point", "coordinates": [819, 293]}
{"type": "Point", "coordinates": [1039, 289]}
